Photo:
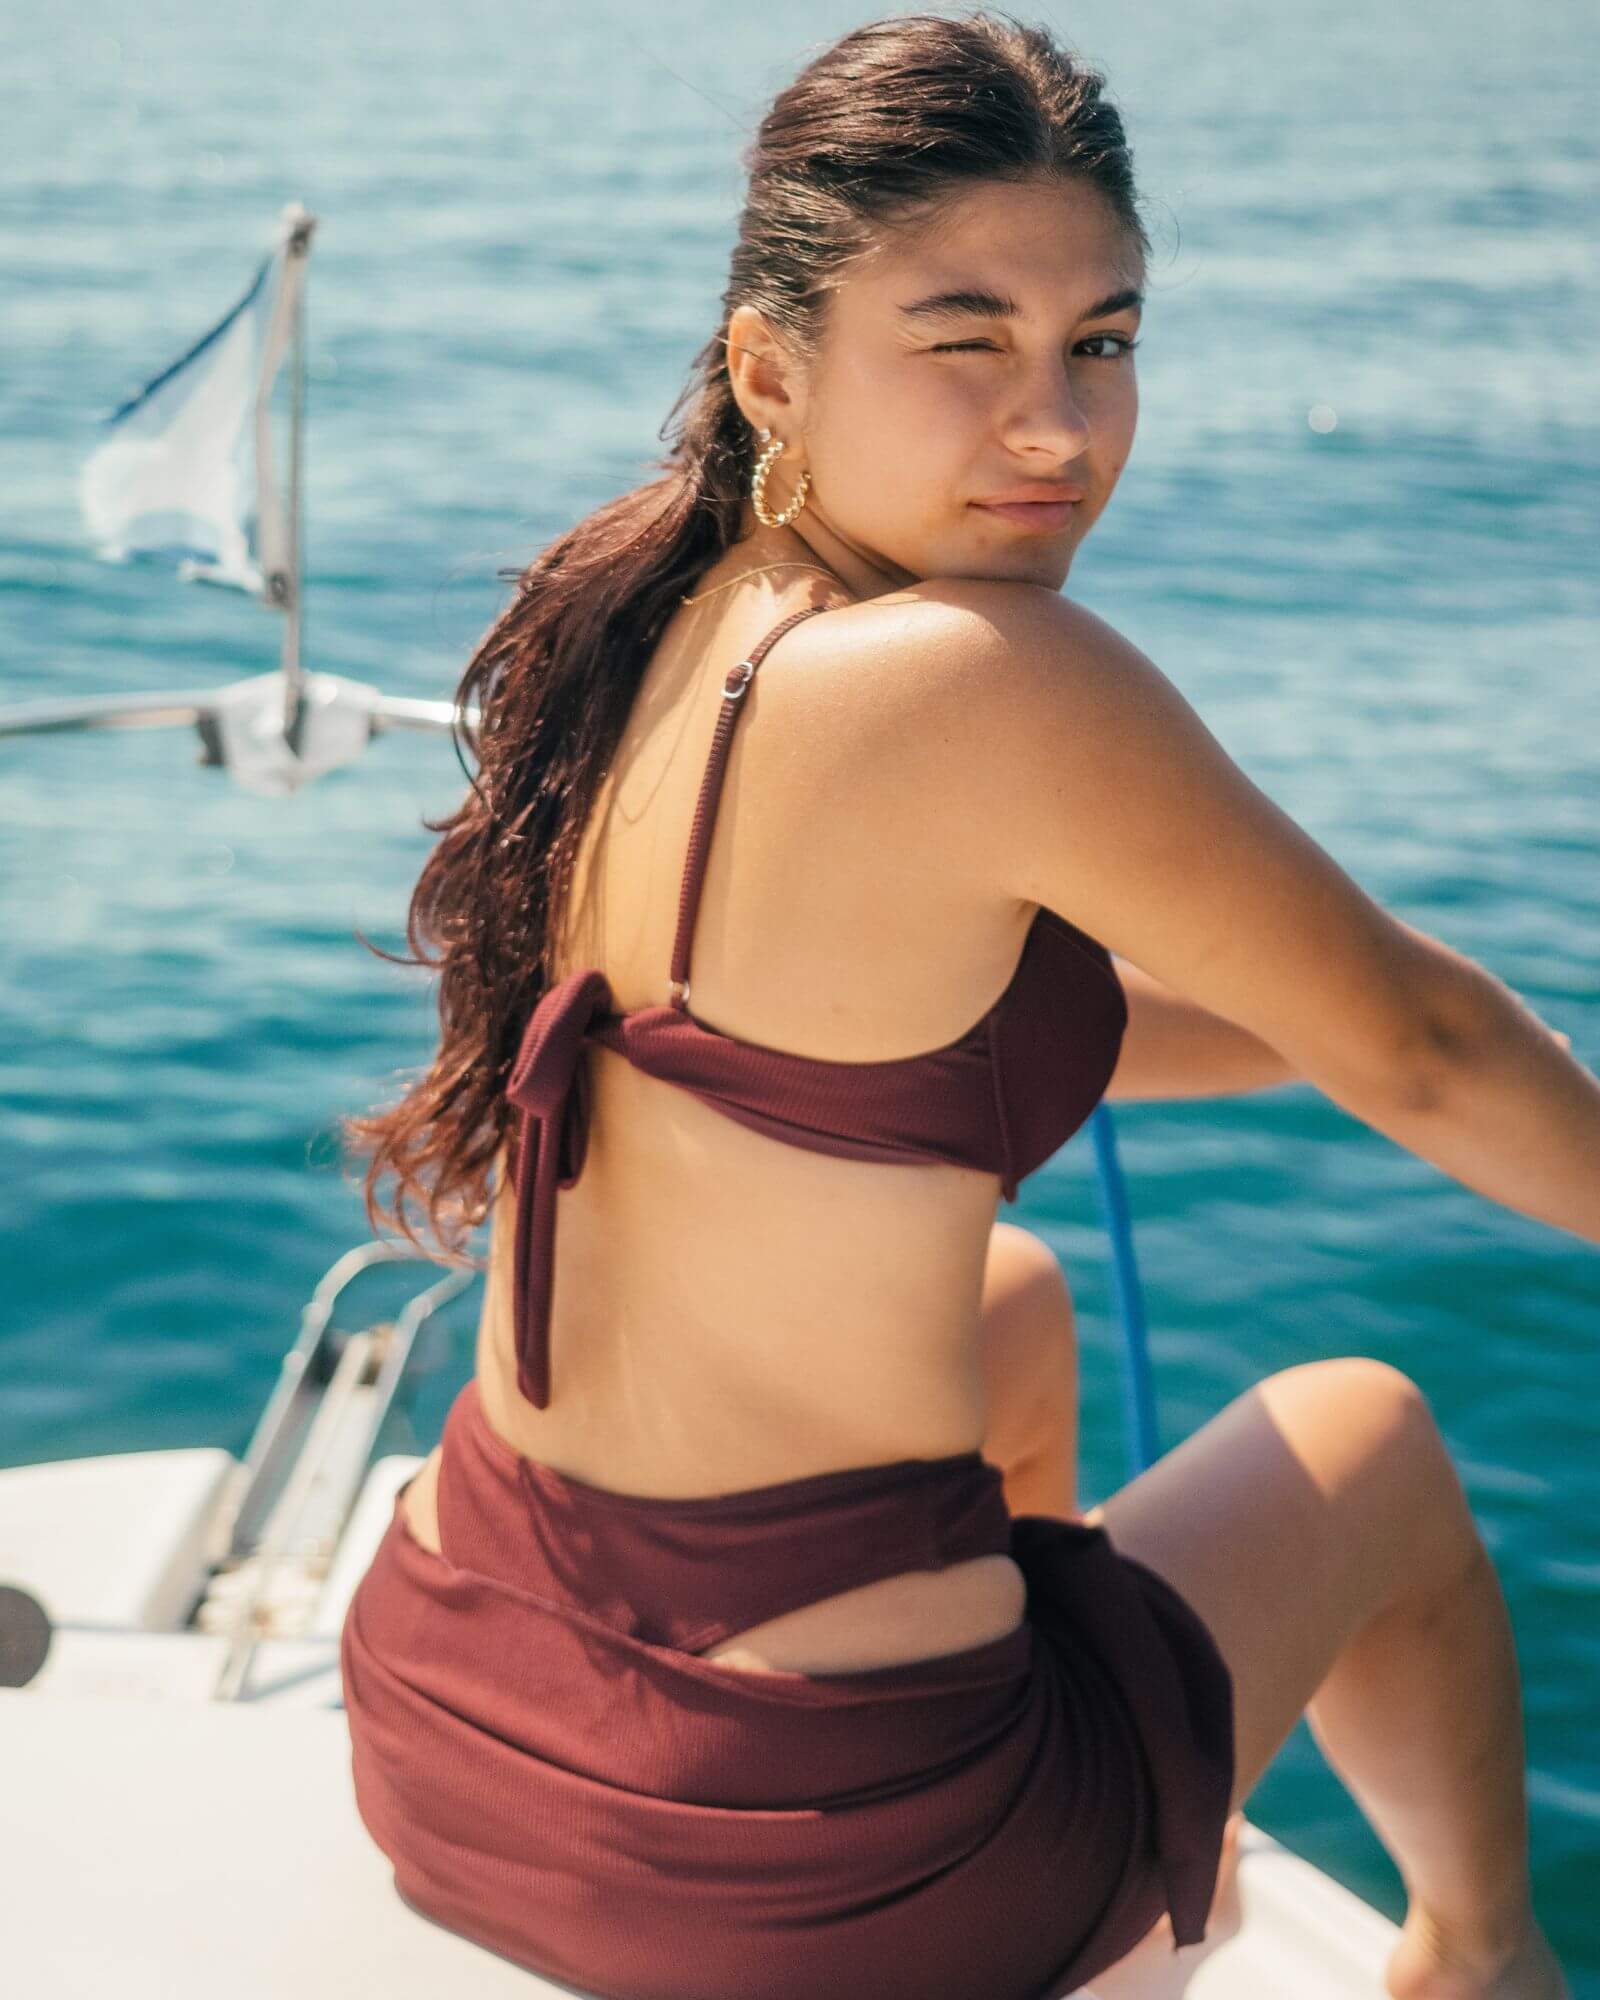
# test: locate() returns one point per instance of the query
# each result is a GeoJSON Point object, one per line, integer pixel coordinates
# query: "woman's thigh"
{"type": "Point", "coordinates": [1288, 1522]}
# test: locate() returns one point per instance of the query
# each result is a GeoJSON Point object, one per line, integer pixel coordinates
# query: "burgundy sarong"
{"type": "Point", "coordinates": [555, 1774]}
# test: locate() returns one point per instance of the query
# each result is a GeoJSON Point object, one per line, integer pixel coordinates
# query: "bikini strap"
{"type": "Point", "coordinates": [694, 868]}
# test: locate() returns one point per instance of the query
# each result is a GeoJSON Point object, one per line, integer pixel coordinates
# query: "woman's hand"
{"type": "Point", "coordinates": [1555, 1034]}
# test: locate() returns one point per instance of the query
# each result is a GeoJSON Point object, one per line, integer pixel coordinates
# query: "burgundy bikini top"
{"type": "Point", "coordinates": [1001, 1098]}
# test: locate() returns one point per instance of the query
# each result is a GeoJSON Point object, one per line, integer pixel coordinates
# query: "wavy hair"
{"type": "Point", "coordinates": [876, 134]}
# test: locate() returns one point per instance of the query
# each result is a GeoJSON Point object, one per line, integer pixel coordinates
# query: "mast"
{"type": "Point", "coordinates": [286, 585]}
{"type": "Point", "coordinates": [174, 455]}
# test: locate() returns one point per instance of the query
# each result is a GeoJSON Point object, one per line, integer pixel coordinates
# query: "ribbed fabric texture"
{"type": "Point", "coordinates": [607, 1809]}
{"type": "Point", "coordinates": [1002, 1097]}
{"type": "Point", "coordinates": [690, 1573]}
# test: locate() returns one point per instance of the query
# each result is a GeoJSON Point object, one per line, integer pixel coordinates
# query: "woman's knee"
{"type": "Point", "coordinates": [1354, 1413]}
{"type": "Point", "coordinates": [1367, 1437]}
{"type": "Point", "coordinates": [1029, 1327]}
{"type": "Point", "coordinates": [1377, 1383]}
{"type": "Point", "coordinates": [1029, 1347]}
{"type": "Point", "coordinates": [1019, 1261]}
{"type": "Point", "coordinates": [1287, 1522]}
{"type": "Point", "coordinates": [1320, 1484]}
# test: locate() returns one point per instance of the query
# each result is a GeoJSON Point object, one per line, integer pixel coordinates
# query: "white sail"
{"type": "Point", "coordinates": [184, 472]}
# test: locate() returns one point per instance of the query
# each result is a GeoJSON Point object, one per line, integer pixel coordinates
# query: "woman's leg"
{"type": "Point", "coordinates": [1029, 1343]}
{"type": "Point", "coordinates": [1030, 1351]}
{"type": "Point", "coordinates": [1319, 1528]}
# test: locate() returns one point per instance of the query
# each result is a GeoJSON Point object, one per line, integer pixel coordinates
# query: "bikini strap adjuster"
{"type": "Point", "coordinates": [678, 994]}
{"type": "Point", "coordinates": [731, 688]}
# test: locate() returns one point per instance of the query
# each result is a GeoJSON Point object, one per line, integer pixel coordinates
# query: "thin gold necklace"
{"type": "Point", "coordinates": [756, 572]}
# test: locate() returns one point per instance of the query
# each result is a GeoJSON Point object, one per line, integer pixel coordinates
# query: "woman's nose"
{"type": "Point", "coordinates": [1048, 418]}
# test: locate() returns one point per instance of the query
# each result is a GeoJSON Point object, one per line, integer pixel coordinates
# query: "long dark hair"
{"type": "Point", "coordinates": [874, 134]}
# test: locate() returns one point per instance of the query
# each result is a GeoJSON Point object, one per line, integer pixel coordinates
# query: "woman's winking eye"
{"type": "Point", "coordinates": [1127, 344]}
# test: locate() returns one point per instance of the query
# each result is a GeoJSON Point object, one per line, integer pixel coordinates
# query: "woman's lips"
{"type": "Point", "coordinates": [1042, 516]}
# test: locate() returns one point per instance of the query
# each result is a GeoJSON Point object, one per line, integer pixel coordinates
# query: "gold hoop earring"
{"type": "Point", "coordinates": [758, 485]}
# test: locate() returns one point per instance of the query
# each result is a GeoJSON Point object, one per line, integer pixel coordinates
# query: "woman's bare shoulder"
{"type": "Point", "coordinates": [947, 680]}
{"type": "Point", "coordinates": [935, 636]}
{"type": "Point", "coordinates": [970, 606]}
{"type": "Point", "coordinates": [1072, 772]}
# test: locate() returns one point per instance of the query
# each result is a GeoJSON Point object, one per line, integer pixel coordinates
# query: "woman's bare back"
{"type": "Point", "coordinates": [728, 1312]}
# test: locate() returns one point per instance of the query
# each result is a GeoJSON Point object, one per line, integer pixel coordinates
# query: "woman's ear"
{"type": "Point", "coordinates": [766, 381]}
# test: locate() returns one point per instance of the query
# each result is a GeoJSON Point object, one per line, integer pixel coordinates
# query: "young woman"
{"type": "Point", "coordinates": [741, 1636]}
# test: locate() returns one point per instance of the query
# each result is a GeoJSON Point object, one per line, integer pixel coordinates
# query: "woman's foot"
{"type": "Point", "coordinates": [1427, 1966]}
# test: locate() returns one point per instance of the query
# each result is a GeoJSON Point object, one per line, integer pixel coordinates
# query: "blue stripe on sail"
{"type": "Point", "coordinates": [188, 535]}
{"type": "Point", "coordinates": [143, 395]}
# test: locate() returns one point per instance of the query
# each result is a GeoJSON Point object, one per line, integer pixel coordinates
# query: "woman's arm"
{"type": "Point", "coordinates": [1093, 787]}
{"type": "Point", "coordinates": [1174, 1048]}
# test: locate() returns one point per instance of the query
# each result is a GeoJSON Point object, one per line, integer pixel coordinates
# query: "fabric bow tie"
{"type": "Point", "coordinates": [550, 1086]}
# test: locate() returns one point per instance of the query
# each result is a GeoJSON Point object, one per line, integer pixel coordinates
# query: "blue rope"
{"type": "Point", "coordinates": [1138, 1378]}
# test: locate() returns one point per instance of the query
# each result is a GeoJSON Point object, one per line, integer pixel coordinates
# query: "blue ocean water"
{"type": "Point", "coordinates": [1357, 529]}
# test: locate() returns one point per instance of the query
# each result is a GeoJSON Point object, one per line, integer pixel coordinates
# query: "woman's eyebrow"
{"type": "Point", "coordinates": [980, 304]}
